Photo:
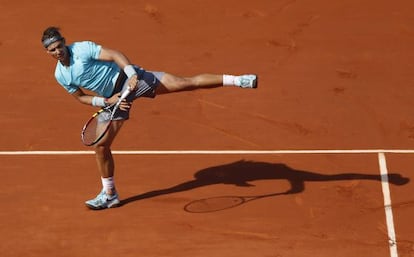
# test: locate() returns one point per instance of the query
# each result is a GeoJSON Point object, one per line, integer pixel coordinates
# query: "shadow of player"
{"type": "Point", "coordinates": [243, 173]}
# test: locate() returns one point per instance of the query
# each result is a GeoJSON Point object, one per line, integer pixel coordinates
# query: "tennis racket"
{"type": "Point", "coordinates": [220, 203]}
{"type": "Point", "coordinates": [100, 122]}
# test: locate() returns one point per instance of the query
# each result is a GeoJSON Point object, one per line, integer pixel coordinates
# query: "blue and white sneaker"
{"type": "Point", "coordinates": [103, 201]}
{"type": "Point", "coordinates": [246, 81]}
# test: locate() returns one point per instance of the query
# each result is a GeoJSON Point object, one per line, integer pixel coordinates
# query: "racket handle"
{"type": "Point", "coordinates": [122, 97]}
{"type": "Point", "coordinates": [124, 94]}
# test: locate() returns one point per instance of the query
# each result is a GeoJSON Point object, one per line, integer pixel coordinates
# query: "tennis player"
{"type": "Point", "coordinates": [106, 72]}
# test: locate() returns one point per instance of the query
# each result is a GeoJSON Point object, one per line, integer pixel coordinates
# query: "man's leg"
{"type": "Point", "coordinates": [103, 152]}
{"type": "Point", "coordinates": [171, 83]}
{"type": "Point", "coordinates": [108, 197]}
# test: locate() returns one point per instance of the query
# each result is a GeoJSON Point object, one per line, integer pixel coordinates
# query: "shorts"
{"type": "Point", "coordinates": [148, 82]}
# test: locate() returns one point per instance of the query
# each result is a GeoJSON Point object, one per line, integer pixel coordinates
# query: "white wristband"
{"type": "Point", "coordinates": [98, 101]}
{"type": "Point", "coordinates": [129, 71]}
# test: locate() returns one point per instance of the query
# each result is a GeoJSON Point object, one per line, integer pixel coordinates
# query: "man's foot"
{"type": "Point", "coordinates": [103, 201]}
{"type": "Point", "coordinates": [246, 81]}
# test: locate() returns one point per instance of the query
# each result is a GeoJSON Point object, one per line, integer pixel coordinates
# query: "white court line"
{"type": "Point", "coordinates": [387, 205]}
{"type": "Point", "coordinates": [207, 152]}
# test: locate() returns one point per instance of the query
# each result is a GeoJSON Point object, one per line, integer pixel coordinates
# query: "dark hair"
{"type": "Point", "coordinates": [51, 33]}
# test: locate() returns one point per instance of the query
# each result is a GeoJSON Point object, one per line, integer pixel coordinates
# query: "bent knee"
{"type": "Point", "coordinates": [102, 149]}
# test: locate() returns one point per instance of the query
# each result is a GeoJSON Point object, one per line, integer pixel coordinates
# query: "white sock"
{"type": "Point", "coordinates": [228, 80]}
{"type": "Point", "coordinates": [108, 184]}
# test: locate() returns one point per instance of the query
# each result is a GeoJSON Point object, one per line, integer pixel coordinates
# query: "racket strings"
{"type": "Point", "coordinates": [96, 127]}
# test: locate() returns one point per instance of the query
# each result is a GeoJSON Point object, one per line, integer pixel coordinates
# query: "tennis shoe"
{"type": "Point", "coordinates": [103, 201]}
{"type": "Point", "coordinates": [246, 81]}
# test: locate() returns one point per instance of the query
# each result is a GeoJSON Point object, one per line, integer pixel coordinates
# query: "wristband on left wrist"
{"type": "Point", "coordinates": [99, 101]}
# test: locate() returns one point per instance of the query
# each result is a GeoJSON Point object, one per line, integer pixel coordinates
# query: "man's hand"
{"type": "Point", "coordinates": [133, 82]}
{"type": "Point", "coordinates": [124, 106]}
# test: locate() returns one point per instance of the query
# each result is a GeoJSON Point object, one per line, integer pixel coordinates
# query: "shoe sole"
{"type": "Point", "coordinates": [255, 82]}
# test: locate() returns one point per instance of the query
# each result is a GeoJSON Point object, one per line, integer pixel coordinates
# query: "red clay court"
{"type": "Point", "coordinates": [325, 144]}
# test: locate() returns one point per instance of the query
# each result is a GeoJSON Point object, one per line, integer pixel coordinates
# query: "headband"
{"type": "Point", "coordinates": [48, 41]}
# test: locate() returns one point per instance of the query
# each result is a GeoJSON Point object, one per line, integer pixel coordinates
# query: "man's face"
{"type": "Point", "coordinates": [57, 50]}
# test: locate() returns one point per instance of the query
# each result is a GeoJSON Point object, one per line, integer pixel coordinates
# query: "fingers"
{"type": "Point", "coordinates": [125, 105]}
{"type": "Point", "coordinates": [133, 83]}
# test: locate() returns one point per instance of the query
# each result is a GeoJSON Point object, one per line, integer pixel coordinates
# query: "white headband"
{"type": "Point", "coordinates": [48, 41]}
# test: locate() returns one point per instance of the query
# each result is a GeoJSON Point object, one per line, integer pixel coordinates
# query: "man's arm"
{"type": "Point", "coordinates": [123, 62]}
{"type": "Point", "coordinates": [82, 97]}
{"type": "Point", "coordinates": [115, 56]}
{"type": "Point", "coordinates": [88, 99]}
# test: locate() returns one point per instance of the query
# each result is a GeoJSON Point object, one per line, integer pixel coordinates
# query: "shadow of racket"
{"type": "Point", "coordinates": [220, 203]}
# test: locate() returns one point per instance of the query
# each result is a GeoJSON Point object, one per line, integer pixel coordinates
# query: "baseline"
{"type": "Point", "coordinates": [167, 152]}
